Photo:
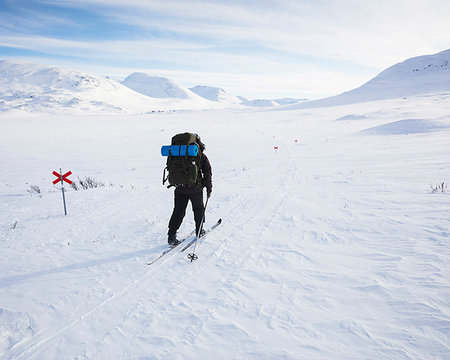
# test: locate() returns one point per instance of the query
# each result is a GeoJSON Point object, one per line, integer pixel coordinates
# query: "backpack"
{"type": "Point", "coordinates": [183, 161]}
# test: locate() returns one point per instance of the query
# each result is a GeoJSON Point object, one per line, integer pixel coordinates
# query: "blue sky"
{"type": "Point", "coordinates": [257, 49]}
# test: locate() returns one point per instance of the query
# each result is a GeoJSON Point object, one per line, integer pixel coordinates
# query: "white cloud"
{"type": "Point", "coordinates": [344, 42]}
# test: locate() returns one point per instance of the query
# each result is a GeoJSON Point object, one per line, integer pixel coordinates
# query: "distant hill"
{"type": "Point", "coordinates": [417, 75]}
{"type": "Point", "coordinates": [222, 96]}
{"type": "Point", "coordinates": [261, 103]}
{"type": "Point", "coordinates": [42, 88]}
{"type": "Point", "coordinates": [157, 87]}
{"type": "Point", "coordinates": [34, 87]}
{"type": "Point", "coordinates": [288, 101]}
{"type": "Point", "coordinates": [215, 94]}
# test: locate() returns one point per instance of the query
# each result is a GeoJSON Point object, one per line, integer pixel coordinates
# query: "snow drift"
{"type": "Point", "coordinates": [407, 126]}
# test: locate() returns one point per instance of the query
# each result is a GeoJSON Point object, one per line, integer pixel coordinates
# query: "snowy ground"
{"type": "Point", "coordinates": [333, 247]}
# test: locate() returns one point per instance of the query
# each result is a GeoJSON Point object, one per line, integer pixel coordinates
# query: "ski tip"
{"type": "Point", "coordinates": [220, 221]}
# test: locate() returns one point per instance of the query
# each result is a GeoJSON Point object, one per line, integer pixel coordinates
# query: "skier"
{"type": "Point", "coordinates": [194, 193]}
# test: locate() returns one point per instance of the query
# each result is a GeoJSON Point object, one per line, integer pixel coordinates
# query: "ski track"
{"type": "Point", "coordinates": [31, 347]}
{"type": "Point", "coordinates": [347, 284]}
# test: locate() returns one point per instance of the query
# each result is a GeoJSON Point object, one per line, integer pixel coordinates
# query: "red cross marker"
{"type": "Point", "coordinates": [61, 178]}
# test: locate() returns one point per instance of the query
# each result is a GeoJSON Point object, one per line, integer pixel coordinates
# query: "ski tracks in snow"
{"type": "Point", "coordinates": [285, 274]}
{"type": "Point", "coordinates": [28, 348]}
{"type": "Point", "coordinates": [111, 304]}
{"type": "Point", "coordinates": [248, 241]}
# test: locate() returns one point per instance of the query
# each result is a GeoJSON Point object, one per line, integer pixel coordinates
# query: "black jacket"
{"type": "Point", "coordinates": [206, 173]}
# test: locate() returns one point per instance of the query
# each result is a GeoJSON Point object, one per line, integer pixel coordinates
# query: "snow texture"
{"type": "Point", "coordinates": [47, 89]}
{"type": "Point", "coordinates": [156, 87]}
{"type": "Point", "coordinates": [261, 103]}
{"type": "Point", "coordinates": [332, 247]}
{"type": "Point", "coordinates": [418, 75]}
{"type": "Point", "coordinates": [334, 242]}
{"type": "Point", "coordinates": [215, 94]}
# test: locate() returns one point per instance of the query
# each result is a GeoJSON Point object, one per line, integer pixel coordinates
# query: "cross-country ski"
{"type": "Point", "coordinates": [170, 248]}
{"type": "Point", "coordinates": [195, 239]}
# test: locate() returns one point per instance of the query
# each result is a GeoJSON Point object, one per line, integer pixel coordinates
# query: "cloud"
{"type": "Point", "coordinates": [363, 31]}
{"type": "Point", "coordinates": [289, 39]}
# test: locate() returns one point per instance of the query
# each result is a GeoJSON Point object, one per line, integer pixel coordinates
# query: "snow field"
{"type": "Point", "coordinates": [333, 247]}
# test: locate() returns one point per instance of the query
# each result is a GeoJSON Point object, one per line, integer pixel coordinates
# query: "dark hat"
{"type": "Point", "coordinates": [200, 143]}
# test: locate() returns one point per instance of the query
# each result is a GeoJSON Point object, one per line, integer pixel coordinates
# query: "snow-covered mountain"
{"type": "Point", "coordinates": [273, 102]}
{"type": "Point", "coordinates": [215, 94]}
{"type": "Point", "coordinates": [35, 88]}
{"type": "Point", "coordinates": [156, 87]}
{"type": "Point", "coordinates": [418, 75]}
{"type": "Point", "coordinates": [289, 101]}
{"type": "Point", "coordinates": [160, 87]}
{"type": "Point", "coordinates": [261, 103]}
{"type": "Point", "coordinates": [43, 88]}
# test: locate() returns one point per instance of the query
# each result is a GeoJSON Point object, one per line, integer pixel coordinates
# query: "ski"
{"type": "Point", "coordinates": [170, 248]}
{"type": "Point", "coordinates": [193, 241]}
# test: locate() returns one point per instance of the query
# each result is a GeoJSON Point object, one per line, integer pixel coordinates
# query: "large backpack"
{"type": "Point", "coordinates": [182, 167]}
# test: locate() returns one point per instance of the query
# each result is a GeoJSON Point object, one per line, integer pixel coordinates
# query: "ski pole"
{"type": "Point", "coordinates": [192, 256]}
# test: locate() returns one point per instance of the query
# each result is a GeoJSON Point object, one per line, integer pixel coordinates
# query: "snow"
{"type": "Point", "coordinates": [414, 76]}
{"type": "Point", "coordinates": [215, 94]}
{"type": "Point", "coordinates": [332, 247]}
{"type": "Point", "coordinates": [288, 101]}
{"type": "Point", "coordinates": [261, 103]}
{"type": "Point", "coordinates": [272, 102]}
{"type": "Point", "coordinates": [407, 126]}
{"type": "Point", "coordinates": [47, 89]}
{"type": "Point", "coordinates": [155, 86]}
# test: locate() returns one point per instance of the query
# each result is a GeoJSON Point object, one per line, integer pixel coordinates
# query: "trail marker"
{"type": "Point", "coordinates": [61, 178]}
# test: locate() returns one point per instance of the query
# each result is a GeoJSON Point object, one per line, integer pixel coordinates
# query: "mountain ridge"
{"type": "Point", "coordinates": [414, 76]}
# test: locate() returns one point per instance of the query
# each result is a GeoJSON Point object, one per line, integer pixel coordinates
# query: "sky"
{"type": "Point", "coordinates": [252, 48]}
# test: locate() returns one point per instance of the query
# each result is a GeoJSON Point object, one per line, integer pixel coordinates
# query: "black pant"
{"type": "Point", "coordinates": [182, 197]}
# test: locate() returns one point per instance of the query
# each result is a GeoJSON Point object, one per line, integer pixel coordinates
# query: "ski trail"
{"type": "Point", "coordinates": [229, 295]}
{"type": "Point", "coordinates": [233, 215]}
{"type": "Point", "coordinates": [31, 346]}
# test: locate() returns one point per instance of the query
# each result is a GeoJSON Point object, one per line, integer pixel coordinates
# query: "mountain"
{"type": "Point", "coordinates": [155, 86]}
{"type": "Point", "coordinates": [272, 102]}
{"type": "Point", "coordinates": [36, 88]}
{"type": "Point", "coordinates": [418, 75]}
{"type": "Point", "coordinates": [261, 103]}
{"type": "Point", "coordinates": [42, 88]}
{"type": "Point", "coordinates": [215, 94]}
{"type": "Point", "coordinates": [289, 101]}
{"type": "Point", "coordinates": [220, 95]}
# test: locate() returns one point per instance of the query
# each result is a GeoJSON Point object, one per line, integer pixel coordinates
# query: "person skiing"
{"type": "Point", "coordinates": [193, 193]}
